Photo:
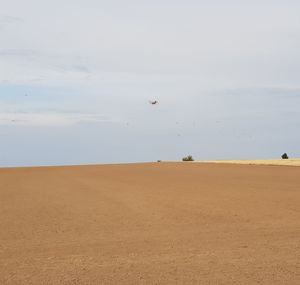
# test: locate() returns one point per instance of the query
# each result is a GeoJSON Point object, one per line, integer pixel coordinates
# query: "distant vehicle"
{"type": "Point", "coordinates": [153, 102]}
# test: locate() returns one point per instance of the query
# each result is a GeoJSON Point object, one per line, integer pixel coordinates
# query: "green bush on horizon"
{"type": "Point", "coordinates": [188, 158]}
{"type": "Point", "coordinates": [285, 156]}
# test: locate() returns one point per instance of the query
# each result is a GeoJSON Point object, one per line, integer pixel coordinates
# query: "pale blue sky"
{"type": "Point", "coordinates": [76, 77]}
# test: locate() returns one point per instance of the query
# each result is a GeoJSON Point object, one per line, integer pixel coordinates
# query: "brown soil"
{"type": "Point", "coordinates": [162, 223]}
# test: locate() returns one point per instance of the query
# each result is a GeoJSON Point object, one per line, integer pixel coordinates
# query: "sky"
{"type": "Point", "coordinates": [76, 78]}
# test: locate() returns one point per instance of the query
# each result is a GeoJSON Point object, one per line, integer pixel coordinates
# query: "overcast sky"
{"type": "Point", "coordinates": [76, 77]}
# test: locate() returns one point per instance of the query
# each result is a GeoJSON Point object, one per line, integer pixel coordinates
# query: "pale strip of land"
{"type": "Point", "coordinates": [280, 162]}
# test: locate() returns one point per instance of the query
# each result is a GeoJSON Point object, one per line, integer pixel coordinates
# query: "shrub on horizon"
{"type": "Point", "coordinates": [284, 156]}
{"type": "Point", "coordinates": [188, 158]}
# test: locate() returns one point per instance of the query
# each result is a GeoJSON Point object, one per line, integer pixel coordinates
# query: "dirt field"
{"type": "Point", "coordinates": [162, 223]}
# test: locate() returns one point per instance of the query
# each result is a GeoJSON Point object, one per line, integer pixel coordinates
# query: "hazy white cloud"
{"type": "Point", "coordinates": [224, 43]}
{"type": "Point", "coordinates": [6, 19]}
{"type": "Point", "coordinates": [49, 119]}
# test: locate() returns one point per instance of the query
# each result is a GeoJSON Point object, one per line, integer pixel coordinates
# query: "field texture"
{"type": "Point", "coordinates": [160, 223]}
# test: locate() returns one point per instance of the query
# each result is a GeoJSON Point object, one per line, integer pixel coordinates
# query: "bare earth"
{"type": "Point", "coordinates": [162, 223]}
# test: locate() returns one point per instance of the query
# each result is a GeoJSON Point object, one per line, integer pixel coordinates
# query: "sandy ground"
{"type": "Point", "coordinates": [160, 223]}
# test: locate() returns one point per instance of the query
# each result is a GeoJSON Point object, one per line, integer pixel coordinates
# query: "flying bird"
{"type": "Point", "coordinates": [153, 102]}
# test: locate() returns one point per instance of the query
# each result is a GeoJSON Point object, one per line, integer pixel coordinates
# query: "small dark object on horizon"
{"type": "Point", "coordinates": [188, 158]}
{"type": "Point", "coordinates": [284, 156]}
